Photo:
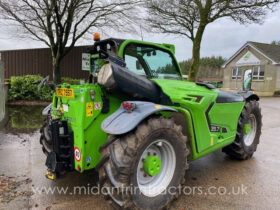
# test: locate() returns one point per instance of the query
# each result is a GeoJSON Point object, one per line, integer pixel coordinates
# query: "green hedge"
{"type": "Point", "coordinates": [70, 80]}
{"type": "Point", "coordinates": [23, 88]}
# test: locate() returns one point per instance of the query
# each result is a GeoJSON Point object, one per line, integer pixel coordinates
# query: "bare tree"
{"type": "Point", "coordinates": [190, 18]}
{"type": "Point", "coordinates": [61, 23]}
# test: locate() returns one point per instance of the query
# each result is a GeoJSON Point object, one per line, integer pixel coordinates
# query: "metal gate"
{"type": "Point", "coordinates": [2, 91]}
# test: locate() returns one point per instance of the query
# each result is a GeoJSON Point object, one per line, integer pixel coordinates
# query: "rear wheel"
{"type": "Point", "coordinates": [248, 132]}
{"type": "Point", "coordinates": [147, 166]}
{"type": "Point", "coordinates": [46, 136]}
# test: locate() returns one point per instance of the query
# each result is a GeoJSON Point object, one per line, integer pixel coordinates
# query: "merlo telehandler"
{"type": "Point", "coordinates": [138, 123]}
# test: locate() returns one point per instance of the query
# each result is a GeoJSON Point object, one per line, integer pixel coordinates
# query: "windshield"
{"type": "Point", "coordinates": [151, 62]}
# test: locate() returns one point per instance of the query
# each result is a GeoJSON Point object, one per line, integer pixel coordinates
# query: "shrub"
{"type": "Point", "coordinates": [25, 88]}
{"type": "Point", "coordinates": [70, 80]}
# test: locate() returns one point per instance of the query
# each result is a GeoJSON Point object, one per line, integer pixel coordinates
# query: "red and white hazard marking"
{"type": "Point", "coordinates": [77, 154]}
{"type": "Point", "coordinates": [97, 105]}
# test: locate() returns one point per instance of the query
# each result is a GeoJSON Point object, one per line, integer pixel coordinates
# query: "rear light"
{"type": "Point", "coordinates": [79, 168]}
{"type": "Point", "coordinates": [129, 107]}
{"type": "Point", "coordinates": [124, 105]}
{"type": "Point", "coordinates": [92, 94]}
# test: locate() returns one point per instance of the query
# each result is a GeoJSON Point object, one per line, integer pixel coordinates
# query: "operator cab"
{"type": "Point", "coordinates": [143, 59]}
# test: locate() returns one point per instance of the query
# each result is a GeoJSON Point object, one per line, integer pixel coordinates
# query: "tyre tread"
{"type": "Point", "coordinates": [122, 166]}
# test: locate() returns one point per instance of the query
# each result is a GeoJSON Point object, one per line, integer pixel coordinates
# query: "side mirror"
{"type": "Point", "coordinates": [138, 65]}
{"type": "Point", "coordinates": [247, 80]}
{"type": "Point", "coordinates": [37, 82]}
{"type": "Point", "coordinates": [43, 82]}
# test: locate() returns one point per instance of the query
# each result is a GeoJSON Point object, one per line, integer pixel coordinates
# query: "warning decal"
{"type": "Point", "coordinates": [97, 105]}
{"type": "Point", "coordinates": [77, 154]}
{"type": "Point", "coordinates": [89, 109]}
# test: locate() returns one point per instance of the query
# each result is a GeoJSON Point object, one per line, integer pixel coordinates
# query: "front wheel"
{"type": "Point", "coordinates": [248, 132]}
{"type": "Point", "coordinates": [146, 167]}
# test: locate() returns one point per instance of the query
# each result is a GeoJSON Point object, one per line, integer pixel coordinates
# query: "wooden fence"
{"type": "Point", "coordinates": [39, 62]}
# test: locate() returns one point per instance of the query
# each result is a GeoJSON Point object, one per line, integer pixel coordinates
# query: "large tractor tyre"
{"type": "Point", "coordinates": [46, 137]}
{"type": "Point", "coordinates": [248, 132]}
{"type": "Point", "coordinates": [146, 167]}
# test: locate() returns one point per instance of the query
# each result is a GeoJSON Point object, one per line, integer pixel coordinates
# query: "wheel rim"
{"type": "Point", "coordinates": [154, 184]}
{"type": "Point", "coordinates": [249, 137]}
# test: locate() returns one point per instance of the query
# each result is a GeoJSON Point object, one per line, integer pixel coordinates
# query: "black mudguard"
{"type": "Point", "coordinates": [47, 110]}
{"type": "Point", "coordinates": [232, 97]}
{"type": "Point", "coordinates": [250, 95]}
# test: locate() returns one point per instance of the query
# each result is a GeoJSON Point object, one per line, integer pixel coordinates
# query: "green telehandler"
{"type": "Point", "coordinates": [138, 123]}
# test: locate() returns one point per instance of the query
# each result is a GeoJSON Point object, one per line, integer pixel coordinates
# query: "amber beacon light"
{"type": "Point", "coordinates": [96, 37]}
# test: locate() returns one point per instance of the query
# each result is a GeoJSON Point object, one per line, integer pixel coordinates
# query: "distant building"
{"type": "Point", "coordinates": [264, 61]}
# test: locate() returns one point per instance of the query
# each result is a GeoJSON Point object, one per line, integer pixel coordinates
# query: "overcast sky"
{"type": "Point", "coordinates": [223, 37]}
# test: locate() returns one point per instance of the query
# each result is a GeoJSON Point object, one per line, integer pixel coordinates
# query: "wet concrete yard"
{"type": "Point", "coordinates": [215, 181]}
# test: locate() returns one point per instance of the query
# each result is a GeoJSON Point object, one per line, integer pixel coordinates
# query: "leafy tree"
{"type": "Point", "coordinates": [61, 23]}
{"type": "Point", "coordinates": [205, 63]}
{"type": "Point", "coordinates": [190, 18]}
{"type": "Point", "coordinates": [275, 42]}
{"type": "Point", "coordinates": [168, 69]}
{"type": "Point", "coordinates": [185, 66]}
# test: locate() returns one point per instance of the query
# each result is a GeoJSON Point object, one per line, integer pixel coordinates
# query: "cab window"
{"type": "Point", "coordinates": [151, 62]}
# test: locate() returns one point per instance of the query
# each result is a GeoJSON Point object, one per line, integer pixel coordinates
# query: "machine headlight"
{"type": "Point", "coordinates": [106, 77]}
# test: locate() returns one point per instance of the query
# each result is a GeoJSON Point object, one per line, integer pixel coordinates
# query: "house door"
{"type": "Point", "coordinates": [247, 80]}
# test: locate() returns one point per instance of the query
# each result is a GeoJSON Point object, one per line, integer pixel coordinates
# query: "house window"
{"type": "Point", "coordinates": [236, 73]}
{"type": "Point", "coordinates": [258, 73]}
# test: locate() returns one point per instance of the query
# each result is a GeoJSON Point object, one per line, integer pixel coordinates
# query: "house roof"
{"type": "Point", "coordinates": [270, 51]}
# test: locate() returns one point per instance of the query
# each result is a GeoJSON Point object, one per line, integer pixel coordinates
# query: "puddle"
{"type": "Point", "coordinates": [22, 119]}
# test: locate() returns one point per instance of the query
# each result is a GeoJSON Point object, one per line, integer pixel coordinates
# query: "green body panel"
{"type": "Point", "coordinates": [194, 102]}
{"type": "Point", "coordinates": [87, 132]}
{"type": "Point", "coordinates": [223, 114]}
{"type": "Point", "coordinates": [168, 47]}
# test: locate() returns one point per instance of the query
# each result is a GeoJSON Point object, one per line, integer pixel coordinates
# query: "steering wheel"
{"type": "Point", "coordinates": [43, 82]}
